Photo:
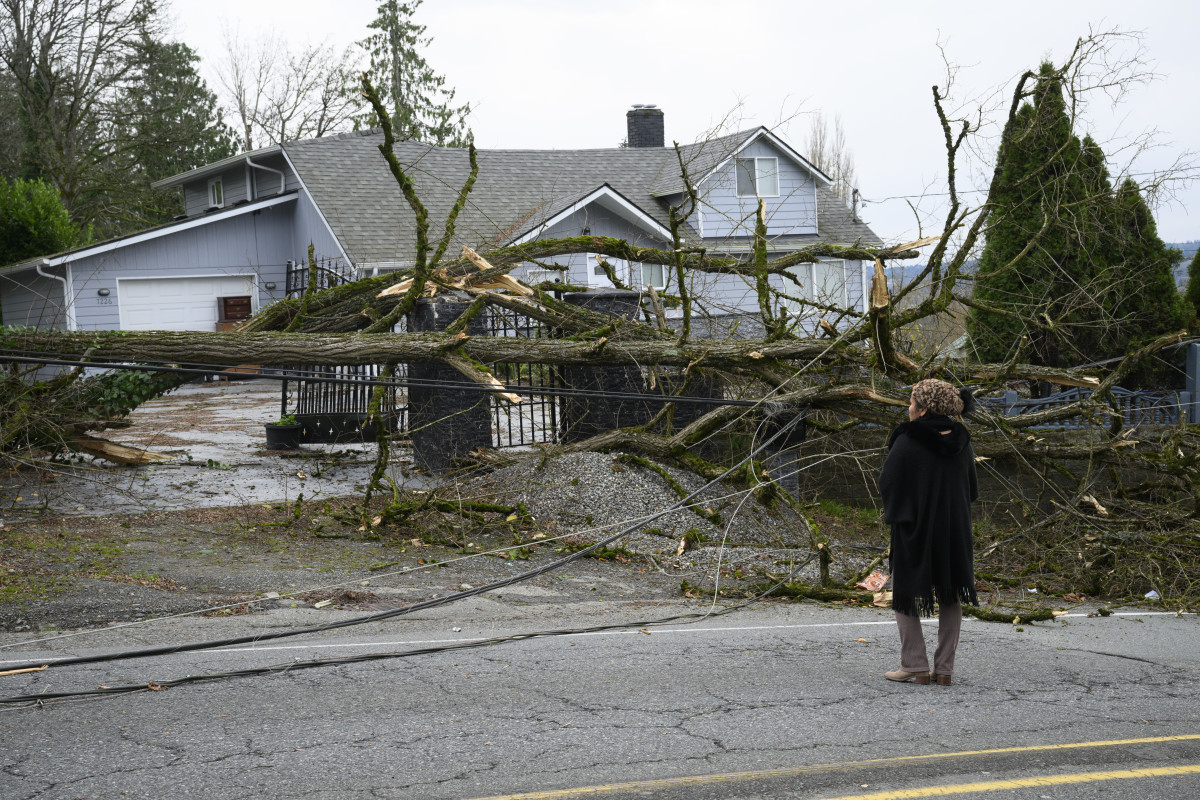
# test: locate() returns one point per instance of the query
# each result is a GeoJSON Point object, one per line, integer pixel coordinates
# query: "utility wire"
{"type": "Point", "coordinates": [432, 603]}
{"type": "Point", "coordinates": [39, 699]}
{"type": "Point", "coordinates": [315, 377]}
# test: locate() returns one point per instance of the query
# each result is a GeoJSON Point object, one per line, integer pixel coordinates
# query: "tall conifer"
{"type": "Point", "coordinates": [1096, 280]}
{"type": "Point", "coordinates": [417, 98]}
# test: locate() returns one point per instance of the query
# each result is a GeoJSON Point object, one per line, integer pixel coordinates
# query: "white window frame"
{"type": "Point", "coordinates": [759, 172]}
{"type": "Point", "coordinates": [840, 301]}
{"type": "Point", "coordinates": [640, 271]}
{"type": "Point", "coordinates": [536, 275]}
{"type": "Point", "coordinates": [216, 193]}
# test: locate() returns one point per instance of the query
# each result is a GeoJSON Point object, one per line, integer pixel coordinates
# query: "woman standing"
{"type": "Point", "coordinates": [928, 483]}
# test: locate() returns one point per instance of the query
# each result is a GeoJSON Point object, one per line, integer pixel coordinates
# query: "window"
{"type": "Point", "coordinates": [216, 196]}
{"type": "Point", "coordinates": [757, 177]}
{"type": "Point", "coordinates": [535, 276]}
{"type": "Point", "coordinates": [652, 275]}
{"type": "Point", "coordinates": [829, 283]}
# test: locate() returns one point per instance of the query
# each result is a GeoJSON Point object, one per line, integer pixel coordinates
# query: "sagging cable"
{"type": "Point", "coordinates": [432, 603]}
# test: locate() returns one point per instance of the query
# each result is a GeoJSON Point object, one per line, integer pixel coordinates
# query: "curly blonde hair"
{"type": "Point", "coordinates": [938, 397]}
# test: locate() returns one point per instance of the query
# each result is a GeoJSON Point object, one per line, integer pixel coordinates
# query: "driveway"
{"type": "Point", "coordinates": [213, 433]}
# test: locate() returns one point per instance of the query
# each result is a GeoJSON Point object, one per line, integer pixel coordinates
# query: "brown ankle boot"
{"type": "Point", "coordinates": [904, 675]}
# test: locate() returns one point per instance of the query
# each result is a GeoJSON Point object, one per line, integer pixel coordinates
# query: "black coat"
{"type": "Point", "coordinates": [928, 483]}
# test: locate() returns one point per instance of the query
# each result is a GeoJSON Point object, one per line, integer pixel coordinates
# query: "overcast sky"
{"type": "Point", "coordinates": [544, 74]}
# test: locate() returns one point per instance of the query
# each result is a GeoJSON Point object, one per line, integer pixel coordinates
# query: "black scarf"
{"type": "Point", "coordinates": [928, 483]}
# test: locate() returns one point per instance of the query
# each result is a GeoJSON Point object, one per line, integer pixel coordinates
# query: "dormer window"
{"type": "Point", "coordinates": [758, 177]}
{"type": "Point", "coordinates": [216, 195]}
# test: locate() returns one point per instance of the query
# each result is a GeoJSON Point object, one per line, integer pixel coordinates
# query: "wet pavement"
{"type": "Point", "coordinates": [213, 433]}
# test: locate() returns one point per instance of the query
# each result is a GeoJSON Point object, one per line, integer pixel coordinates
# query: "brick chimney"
{"type": "Point", "coordinates": [645, 124]}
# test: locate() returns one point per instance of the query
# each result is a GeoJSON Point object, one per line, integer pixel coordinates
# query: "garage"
{"type": "Point", "coordinates": [179, 304]}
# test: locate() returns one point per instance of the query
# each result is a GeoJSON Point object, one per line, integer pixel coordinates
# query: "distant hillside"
{"type": "Point", "coordinates": [1189, 250]}
{"type": "Point", "coordinates": [899, 274]}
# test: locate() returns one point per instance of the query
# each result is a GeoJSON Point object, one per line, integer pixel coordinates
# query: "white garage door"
{"type": "Point", "coordinates": [176, 304]}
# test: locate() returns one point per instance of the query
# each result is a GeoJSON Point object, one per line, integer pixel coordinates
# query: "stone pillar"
{"type": "Point", "coordinates": [1193, 383]}
{"type": "Point", "coordinates": [780, 457]}
{"type": "Point", "coordinates": [445, 424]}
{"type": "Point", "coordinates": [584, 417]}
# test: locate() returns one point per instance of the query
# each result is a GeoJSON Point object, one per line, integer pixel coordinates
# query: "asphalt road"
{"type": "Point", "coordinates": [776, 701]}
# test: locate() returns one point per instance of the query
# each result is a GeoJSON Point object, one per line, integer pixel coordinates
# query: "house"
{"type": "Point", "coordinates": [250, 218]}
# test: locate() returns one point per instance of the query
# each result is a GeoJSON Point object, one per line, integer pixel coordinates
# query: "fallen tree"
{"type": "Point", "coordinates": [856, 367]}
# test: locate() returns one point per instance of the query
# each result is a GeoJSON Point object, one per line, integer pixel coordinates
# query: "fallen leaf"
{"type": "Point", "coordinates": [510, 518]}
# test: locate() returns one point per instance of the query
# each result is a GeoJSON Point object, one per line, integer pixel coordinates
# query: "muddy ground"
{"type": "Point", "coordinates": [226, 528]}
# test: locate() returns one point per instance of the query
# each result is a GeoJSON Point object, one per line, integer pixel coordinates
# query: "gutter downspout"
{"type": "Point", "coordinates": [282, 177]}
{"type": "Point", "coordinates": [68, 304]}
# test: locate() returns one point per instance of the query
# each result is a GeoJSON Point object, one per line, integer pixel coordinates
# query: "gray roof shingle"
{"type": "Point", "coordinates": [516, 190]}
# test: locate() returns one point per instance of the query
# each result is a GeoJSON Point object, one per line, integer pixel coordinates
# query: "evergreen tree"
{"type": "Point", "coordinates": [169, 123]}
{"type": "Point", "coordinates": [1149, 304]}
{"type": "Point", "coordinates": [1098, 280]}
{"type": "Point", "coordinates": [103, 106]}
{"type": "Point", "coordinates": [417, 98]}
{"type": "Point", "coordinates": [1041, 195]}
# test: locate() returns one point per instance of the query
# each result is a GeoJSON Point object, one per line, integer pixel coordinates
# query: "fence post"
{"type": "Point", "coordinates": [1010, 402]}
{"type": "Point", "coordinates": [445, 424]}
{"type": "Point", "coordinates": [584, 417]}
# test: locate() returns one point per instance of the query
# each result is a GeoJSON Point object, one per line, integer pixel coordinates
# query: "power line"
{"type": "Point", "coordinates": [299, 374]}
{"type": "Point", "coordinates": [381, 615]}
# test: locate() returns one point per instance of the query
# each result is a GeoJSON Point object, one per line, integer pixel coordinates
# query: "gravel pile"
{"type": "Point", "coordinates": [597, 494]}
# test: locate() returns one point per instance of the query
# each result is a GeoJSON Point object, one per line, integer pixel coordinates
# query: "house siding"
{"type": "Point", "coordinates": [31, 300]}
{"type": "Point", "coordinates": [600, 222]}
{"type": "Point", "coordinates": [723, 214]}
{"type": "Point", "coordinates": [309, 226]}
{"type": "Point", "coordinates": [251, 243]}
{"type": "Point", "coordinates": [237, 181]}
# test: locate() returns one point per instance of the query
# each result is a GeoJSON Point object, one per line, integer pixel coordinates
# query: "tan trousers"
{"type": "Point", "coordinates": [912, 641]}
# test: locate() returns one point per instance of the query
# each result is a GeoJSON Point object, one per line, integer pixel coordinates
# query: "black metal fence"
{"type": "Point", "coordinates": [332, 402]}
{"type": "Point", "coordinates": [331, 272]}
{"type": "Point", "coordinates": [536, 419]}
{"type": "Point", "coordinates": [1138, 408]}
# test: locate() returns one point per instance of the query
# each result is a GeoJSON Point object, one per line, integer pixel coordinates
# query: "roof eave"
{"type": "Point", "coordinates": [215, 167]}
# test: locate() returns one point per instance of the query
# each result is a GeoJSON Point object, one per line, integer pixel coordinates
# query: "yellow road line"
{"type": "Point", "coordinates": [1025, 783]}
{"type": "Point", "coordinates": [765, 774]}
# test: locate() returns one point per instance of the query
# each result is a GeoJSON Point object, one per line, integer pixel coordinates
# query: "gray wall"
{"type": "Point", "coordinates": [309, 226]}
{"type": "Point", "coordinates": [717, 295]}
{"type": "Point", "coordinates": [722, 213]}
{"type": "Point", "coordinates": [234, 183]}
{"type": "Point", "coordinates": [599, 221]}
{"type": "Point", "coordinates": [29, 299]}
{"type": "Point", "coordinates": [257, 243]}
